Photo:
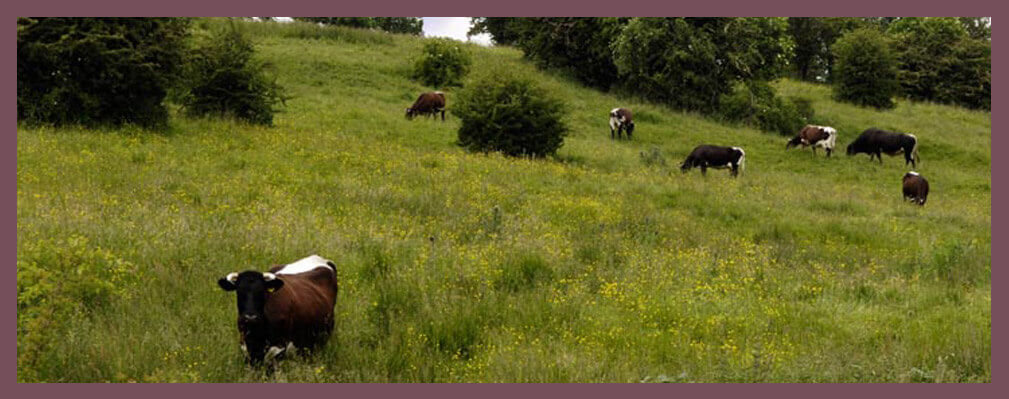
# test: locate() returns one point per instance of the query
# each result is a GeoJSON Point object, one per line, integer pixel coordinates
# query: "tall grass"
{"type": "Point", "coordinates": [592, 266]}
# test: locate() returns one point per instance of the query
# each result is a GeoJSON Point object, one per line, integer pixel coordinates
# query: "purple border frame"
{"type": "Point", "coordinates": [508, 8]}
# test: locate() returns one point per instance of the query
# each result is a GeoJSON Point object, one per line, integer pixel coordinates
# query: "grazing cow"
{"type": "Point", "coordinates": [915, 188]}
{"type": "Point", "coordinates": [290, 307]}
{"type": "Point", "coordinates": [815, 136]}
{"type": "Point", "coordinates": [620, 121]}
{"type": "Point", "coordinates": [705, 156]}
{"type": "Point", "coordinates": [430, 103]}
{"type": "Point", "coordinates": [875, 141]}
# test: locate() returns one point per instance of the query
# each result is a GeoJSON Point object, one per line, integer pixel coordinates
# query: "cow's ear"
{"type": "Point", "coordinates": [226, 284]}
{"type": "Point", "coordinates": [274, 284]}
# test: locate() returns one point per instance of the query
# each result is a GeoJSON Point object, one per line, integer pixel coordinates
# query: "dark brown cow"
{"type": "Point", "coordinates": [815, 136]}
{"type": "Point", "coordinates": [430, 103]}
{"type": "Point", "coordinates": [713, 156]}
{"type": "Point", "coordinates": [915, 188]}
{"type": "Point", "coordinates": [875, 142]}
{"type": "Point", "coordinates": [290, 307]}
{"type": "Point", "coordinates": [621, 121]}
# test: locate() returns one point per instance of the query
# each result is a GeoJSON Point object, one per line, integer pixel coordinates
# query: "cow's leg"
{"type": "Point", "coordinates": [814, 151]}
{"type": "Point", "coordinates": [828, 152]}
{"type": "Point", "coordinates": [735, 170]}
{"type": "Point", "coordinates": [443, 115]}
{"type": "Point", "coordinates": [613, 133]}
{"type": "Point", "coordinates": [704, 169]}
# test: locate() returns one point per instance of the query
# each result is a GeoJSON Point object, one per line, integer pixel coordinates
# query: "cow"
{"type": "Point", "coordinates": [705, 156]}
{"type": "Point", "coordinates": [915, 188]}
{"type": "Point", "coordinates": [815, 136]}
{"type": "Point", "coordinates": [288, 308]}
{"type": "Point", "coordinates": [429, 103]}
{"type": "Point", "coordinates": [620, 121]}
{"type": "Point", "coordinates": [875, 142]}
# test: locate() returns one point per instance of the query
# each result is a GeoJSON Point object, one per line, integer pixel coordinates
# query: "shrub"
{"type": "Point", "coordinates": [95, 71]}
{"type": "Point", "coordinates": [503, 111]}
{"type": "Point", "coordinates": [579, 46]}
{"type": "Point", "coordinates": [443, 62]}
{"type": "Point", "coordinates": [408, 25]}
{"type": "Point", "coordinates": [755, 104]}
{"type": "Point", "coordinates": [865, 70]}
{"type": "Point", "coordinates": [224, 80]}
{"type": "Point", "coordinates": [939, 61]}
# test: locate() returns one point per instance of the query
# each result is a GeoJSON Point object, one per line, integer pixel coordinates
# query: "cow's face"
{"type": "Point", "coordinates": [630, 128]}
{"type": "Point", "coordinates": [851, 149]}
{"type": "Point", "coordinates": [409, 113]}
{"type": "Point", "coordinates": [251, 288]}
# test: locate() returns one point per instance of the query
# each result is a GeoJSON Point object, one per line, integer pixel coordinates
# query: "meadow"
{"type": "Point", "coordinates": [603, 264]}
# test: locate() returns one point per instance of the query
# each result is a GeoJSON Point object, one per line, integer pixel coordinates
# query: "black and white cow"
{"type": "Point", "coordinates": [712, 156]}
{"type": "Point", "coordinates": [875, 142]}
{"type": "Point", "coordinates": [915, 188]}
{"type": "Point", "coordinates": [815, 136]}
{"type": "Point", "coordinates": [290, 307]}
{"type": "Point", "coordinates": [621, 121]}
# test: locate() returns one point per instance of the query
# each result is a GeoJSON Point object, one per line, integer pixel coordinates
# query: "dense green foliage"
{"type": "Point", "coordinates": [755, 104]}
{"type": "Point", "coordinates": [690, 62]}
{"type": "Point", "coordinates": [939, 61]}
{"type": "Point", "coordinates": [579, 46]}
{"type": "Point", "coordinates": [814, 36]}
{"type": "Point", "coordinates": [501, 30]}
{"type": "Point", "coordinates": [501, 110]}
{"type": "Point", "coordinates": [408, 25]}
{"type": "Point", "coordinates": [865, 72]}
{"type": "Point", "coordinates": [603, 264]}
{"type": "Point", "coordinates": [223, 79]}
{"type": "Point", "coordinates": [444, 62]}
{"type": "Point", "coordinates": [97, 71]}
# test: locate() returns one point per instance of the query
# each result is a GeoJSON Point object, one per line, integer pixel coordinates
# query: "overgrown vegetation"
{"type": "Point", "coordinates": [501, 110]}
{"type": "Point", "coordinates": [97, 71]}
{"type": "Point", "coordinates": [222, 78]}
{"type": "Point", "coordinates": [408, 25]}
{"type": "Point", "coordinates": [444, 62]}
{"type": "Point", "coordinates": [600, 265]}
{"type": "Point", "coordinates": [755, 104]}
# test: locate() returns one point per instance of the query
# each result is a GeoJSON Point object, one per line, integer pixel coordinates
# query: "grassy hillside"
{"type": "Point", "coordinates": [466, 267]}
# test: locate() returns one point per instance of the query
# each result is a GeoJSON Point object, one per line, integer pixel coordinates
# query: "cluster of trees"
{"type": "Point", "coordinates": [688, 63]}
{"type": "Point", "coordinates": [692, 63]}
{"type": "Point", "coordinates": [945, 60]}
{"type": "Point", "coordinates": [407, 25]}
{"type": "Point", "coordinates": [114, 71]}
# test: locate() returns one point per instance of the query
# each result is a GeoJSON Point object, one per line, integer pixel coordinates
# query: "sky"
{"type": "Point", "coordinates": [453, 27]}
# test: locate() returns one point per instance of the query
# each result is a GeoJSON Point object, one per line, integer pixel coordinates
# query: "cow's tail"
{"type": "Point", "coordinates": [914, 150]}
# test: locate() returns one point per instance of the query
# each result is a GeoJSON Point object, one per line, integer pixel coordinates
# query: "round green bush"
{"type": "Point", "coordinates": [865, 70]}
{"type": "Point", "coordinates": [444, 62]}
{"type": "Point", "coordinates": [755, 104]}
{"type": "Point", "coordinates": [504, 111]}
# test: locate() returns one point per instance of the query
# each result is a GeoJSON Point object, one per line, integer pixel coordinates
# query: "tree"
{"type": "Point", "coordinates": [690, 62]}
{"type": "Point", "coordinates": [94, 71]}
{"type": "Point", "coordinates": [865, 72]}
{"type": "Point", "coordinates": [813, 38]}
{"type": "Point", "coordinates": [580, 46]}
{"type": "Point", "coordinates": [501, 29]}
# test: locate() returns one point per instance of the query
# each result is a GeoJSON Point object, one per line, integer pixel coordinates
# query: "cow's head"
{"type": "Point", "coordinates": [630, 128]}
{"type": "Point", "coordinates": [410, 112]}
{"type": "Point", "coordinates": [252, 289]}
{"type": "Point", "coordinates": [793, 142]}
{"type": "Point", "coordinates": [851, 149]}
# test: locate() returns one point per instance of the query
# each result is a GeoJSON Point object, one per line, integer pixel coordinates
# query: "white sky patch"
{"type": "Point", "coordinates": [452, 27]}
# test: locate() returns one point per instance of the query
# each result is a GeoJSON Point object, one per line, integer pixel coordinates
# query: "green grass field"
{"type": "Point", "coordinates": [458, 267]}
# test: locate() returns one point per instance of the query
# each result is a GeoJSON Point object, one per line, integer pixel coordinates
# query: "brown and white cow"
{"type": "Point", "coordinates": [875, 142]}
{"type": "Point", "coordinates": [621, 121]}
{"type": "Point", "coordinates": [712, 156]}
{"type": "Point", "coordinates": [290, 307]}
{"type": "Point", "coordinates": [915, 188]}
{"type": "Point", "coordinates": [429, 103]}
{"type": "Point", "coordinates": [815, 136]}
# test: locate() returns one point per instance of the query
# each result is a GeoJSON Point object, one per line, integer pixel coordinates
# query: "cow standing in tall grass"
{"type": "Point", "coordinates": [621, 121]}
{"type": "Point", "coordinates": [876, 142]}
{"type": "Point", "coordinates": [915, 188]}
{"type": "Point", "coordinates": [429, 103]}
{"type": "Point", "coordinates": [815, 136]}
{"type": "Point", "coordinates": [290, 307]}
{"type": "Point", "coordinates": [712, 156]}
